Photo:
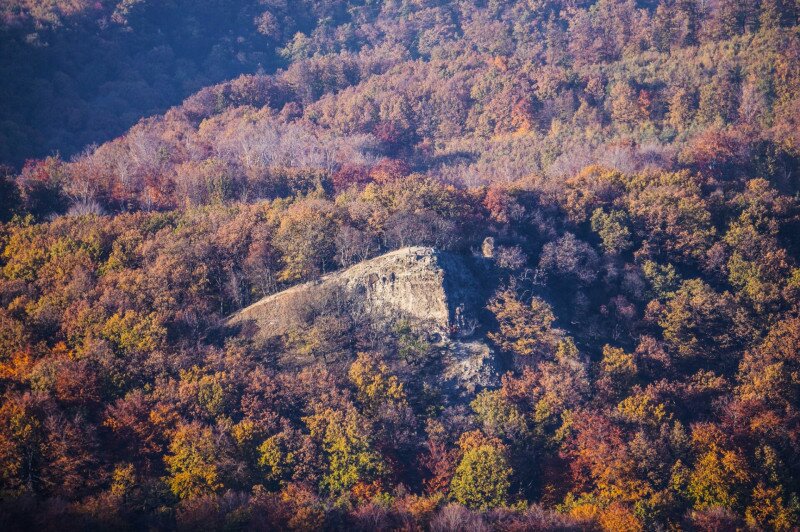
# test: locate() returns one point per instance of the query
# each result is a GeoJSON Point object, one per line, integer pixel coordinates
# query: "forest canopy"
{"type": "Point", "coordinates": [625, 171]}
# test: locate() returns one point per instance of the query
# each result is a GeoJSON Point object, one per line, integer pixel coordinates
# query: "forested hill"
{"type": "Point", "coordinates": [627, 173]}
{"type": "Point", "coordinates": [78, 72]}
{"type": "Point", "coordinates": [471, 94]}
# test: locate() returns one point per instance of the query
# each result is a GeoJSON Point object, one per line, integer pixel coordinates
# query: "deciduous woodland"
{"type": "Point", "coordinates": [627, 172]}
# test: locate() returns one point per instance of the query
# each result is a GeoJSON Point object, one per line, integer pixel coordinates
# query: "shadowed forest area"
{"type": "Point", "coordinates": [626, 173]}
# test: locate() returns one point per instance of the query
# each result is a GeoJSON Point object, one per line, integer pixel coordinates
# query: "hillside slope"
{"type": "Point", "coordinates": [175, 352]}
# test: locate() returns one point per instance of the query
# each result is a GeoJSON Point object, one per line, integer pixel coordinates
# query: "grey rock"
{"type": "Point", "coordinates": [416, 283]}
{"type": "Point", "coordinates": [435, 290]}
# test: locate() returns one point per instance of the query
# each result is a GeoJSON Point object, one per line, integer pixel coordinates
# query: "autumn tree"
{"type": "Point", "coordinates": [345, 439]}
{"type": "Point", "coordinates": [525, 329]}
{"type": "Point", "coordinates": [569, 258]}
{"type": "Point", "coordinates": [303, 240]}
{"type": "Point", "coordinates": [192, 462]}
{"type": "Point", "coordinates": [482, 477]}
{"type": "Point", "coordinates": [670, 214]}
{"type": "Point", "coordinates": [612, 229]}
{"type": "Point", "coordinates": [720, 474]}
{"type": "Point", "coordinates": [701, 323]}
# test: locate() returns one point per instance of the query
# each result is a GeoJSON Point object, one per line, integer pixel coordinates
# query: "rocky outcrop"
{"type": "Point", "coordinates": [416, 283]}
{"type": "Point", "coordinates": [436, 291]}
{"type": "Point", "coordinates": [469, 366]}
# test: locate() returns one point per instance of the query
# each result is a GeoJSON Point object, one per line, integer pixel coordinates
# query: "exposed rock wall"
{"type": "Point", "coordinates": [432, 288]}
{"type": "Point", "coordinates": [418, 283]}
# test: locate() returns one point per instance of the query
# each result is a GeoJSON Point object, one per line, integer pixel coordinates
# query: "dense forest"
{"type": "Point", "coordinates": [636, 165]}
{"type": "Point", "coordinates": [77, 72]}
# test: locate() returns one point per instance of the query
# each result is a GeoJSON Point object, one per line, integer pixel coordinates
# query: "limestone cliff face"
{"type": "Point", "coordinates": [415, 283]}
